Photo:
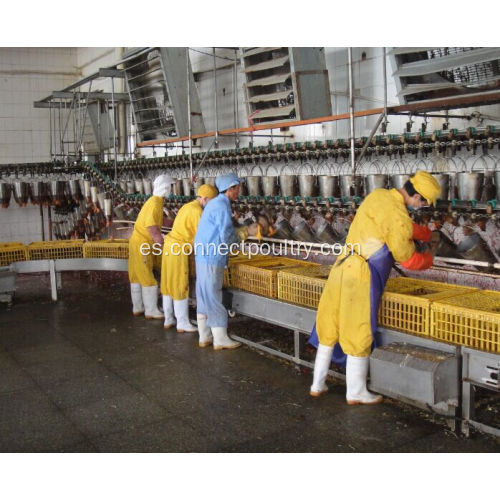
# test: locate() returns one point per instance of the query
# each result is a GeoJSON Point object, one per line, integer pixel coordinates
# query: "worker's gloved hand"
{"type": "Point", "coordinates": [434, 242]}
{"type": "Point", "coordinates": [422, 233]}
{"type": "Point", "coordinates": [419, 261]}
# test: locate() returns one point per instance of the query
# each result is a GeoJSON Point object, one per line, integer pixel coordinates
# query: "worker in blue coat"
{"type": "Point", "coordinates": [213, 239]}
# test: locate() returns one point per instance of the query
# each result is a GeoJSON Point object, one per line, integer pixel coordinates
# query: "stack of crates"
{"type": "Point", "coordinates": [12, 252]}
{"type": "Point", "coordinates": [303, 285]}
{"type": "Point", "coordinates": [261, 276]}
{"type": "Point", "coordinates": [406, 303]}
{"type": "Point", "coordinates": [472, 320]}
{"type": "Point", "coordinates": [108, 249]}
{"type": "Point", "coordinates": [62, 249]}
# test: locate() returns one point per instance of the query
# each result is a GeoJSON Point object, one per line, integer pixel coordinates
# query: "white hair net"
{"type": "Point", "coordinates": [162, 185]}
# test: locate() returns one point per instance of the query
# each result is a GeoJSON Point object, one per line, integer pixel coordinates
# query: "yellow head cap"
{"type": "Point", "coordinates": [208, 191]}
{"type": "Point", "coordinates": [426, 186]}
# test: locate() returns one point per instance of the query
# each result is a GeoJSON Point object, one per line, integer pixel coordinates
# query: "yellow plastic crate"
{"type": "Point", "coordinates": [261, 277]}
{"type": "Point", "coordinates": [12, 252]}
{"type": "Point", "coordinates": [402, 284]}
{"type": "Point", "coordinates": [109, 249]}
{"type": "Point", "coordinates": [408, 309]}
{"type": "Point", "coordinates": [63, 249]}
{"type": "Point", "coordinates": [240, 259]}
{"type": "Point", "coordinates": [303, 286]}
{"type": "Point", "coordinates": [471, 320]}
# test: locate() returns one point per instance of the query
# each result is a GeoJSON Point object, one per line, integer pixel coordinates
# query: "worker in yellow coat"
{"type": "Point", "coordinates": [178, 245]}
{"type": "Point", "coordinates": [147, 235]}
{"type": "Point", "coordinates": [381, 233]}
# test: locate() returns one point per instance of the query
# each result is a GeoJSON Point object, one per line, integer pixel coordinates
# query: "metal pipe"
{"type": "Point", "coordinates": [351, 110]}
{"type": "Point", "coordinates": [50, 223]}
{"type": "Point", "coordinates": [370, 137]}
{"type": "Point", "coordinates": [61, 145]}
{"type": "Point", "coordinates": [122, 111]}
{"type": "Point", "coordinates": [466, 262]}
{"type": "Point", "coordinates": [291, 136]}
{"type": "Point", "coordinates": [41, 218]}
{"type": "Point", "coordinates": [235, 87]}
{"type": "Point", "coordinates": [384, 64]}
{"type": "Point", "coordinates": [67, 120]}
{"type": "Point", "coordinates": [189, 116]}
{"type": "Point", "coordinates": [435, 115]}
{"type": "Point", "coordinates": [50, 131]}
{"type": "Point", "coordinates": [204, 157]}
{"type": "Point", "coordinates": [99, 132]}
{"type": "Point", "coordinates": [107, 126]}
{"type": "Point", "coordinates": [216, 142]}
{"type": "Point", "coordinates": [114, 124]}
{"type": "Point", "coordinates": [74, 123]}
{"type": "Point", "coordinates": [456, 270]}
{"type": "Point", "coordinates": [82, 131]}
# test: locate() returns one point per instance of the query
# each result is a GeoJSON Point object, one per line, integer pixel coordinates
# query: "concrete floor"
{"type": "Point", "coordinates": [83, 375]}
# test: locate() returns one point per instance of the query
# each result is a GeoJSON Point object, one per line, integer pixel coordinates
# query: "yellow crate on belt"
{"type": "Point", "coordinates": [61, 249]}
{"type": "Point", "coordinates": [240, 259]}
{"type": "Point", "coordinates": [471, 320]}
{"type": "Point", "coordinates": [260, 277]}
{"type": "Point", "coordinates": [402, 284]}
{"type": "Point", "coordinates": [303, 286]}
{"type": "Point", "coordinates": [408, 309]}
{"type": "Point", "coordinates": [12, 252]}
{"type": "Point", "coordinates": [227, 283]}
{"type": "Point", "coordinates": [108, 249]}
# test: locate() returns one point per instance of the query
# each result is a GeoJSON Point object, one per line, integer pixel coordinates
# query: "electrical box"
{"type": "Point", "coordinates": [416, 373]}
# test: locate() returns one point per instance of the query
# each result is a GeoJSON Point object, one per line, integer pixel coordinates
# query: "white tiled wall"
{"type": "Point", "coordinates": [27, 75]}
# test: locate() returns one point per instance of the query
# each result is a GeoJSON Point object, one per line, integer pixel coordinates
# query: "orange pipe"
{"type": "Point", "coordinates": [310, 121]}
{"type": "Point", "coordinates": [428, 105]}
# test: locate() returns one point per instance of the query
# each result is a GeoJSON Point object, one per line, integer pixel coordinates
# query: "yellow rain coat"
{"type": "Point", "coordinates": [140, 267]}
{"type": "Point", "coordinates": [344, 311]}
{"type": "Point", "coordinates": [175, 268]}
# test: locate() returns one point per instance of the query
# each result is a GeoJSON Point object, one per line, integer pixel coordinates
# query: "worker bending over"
{"type": "Point", "coordinates": [147, 232]}
{"type": "Point", "coordinates": [214, 236]}
{"type": "Point", "coordinates": [382, 232]}
{"type": "Point", "coordinates": [177, 247]}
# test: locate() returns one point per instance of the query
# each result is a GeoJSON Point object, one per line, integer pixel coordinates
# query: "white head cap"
{"type": "Point", "coordinates": [162, 185]}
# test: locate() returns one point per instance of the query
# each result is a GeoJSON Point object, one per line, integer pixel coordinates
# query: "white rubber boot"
{"type": "Point", "coordinates": [168, 311]}
{"type": "Point", "coordinates": [150, 298]}
{"type": "Point", "coordinates": [355, 375]}
{"type": "Point", "coordinates": [182, 315]}
{"type": "Point", "coordinates": [137, 303]}
{"type": "Point", "coordinates": [222, 340]}
{"type": "Point", "coordinates": [206, 338]}
{"type": "Point", "coordinates": [321, 366]}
